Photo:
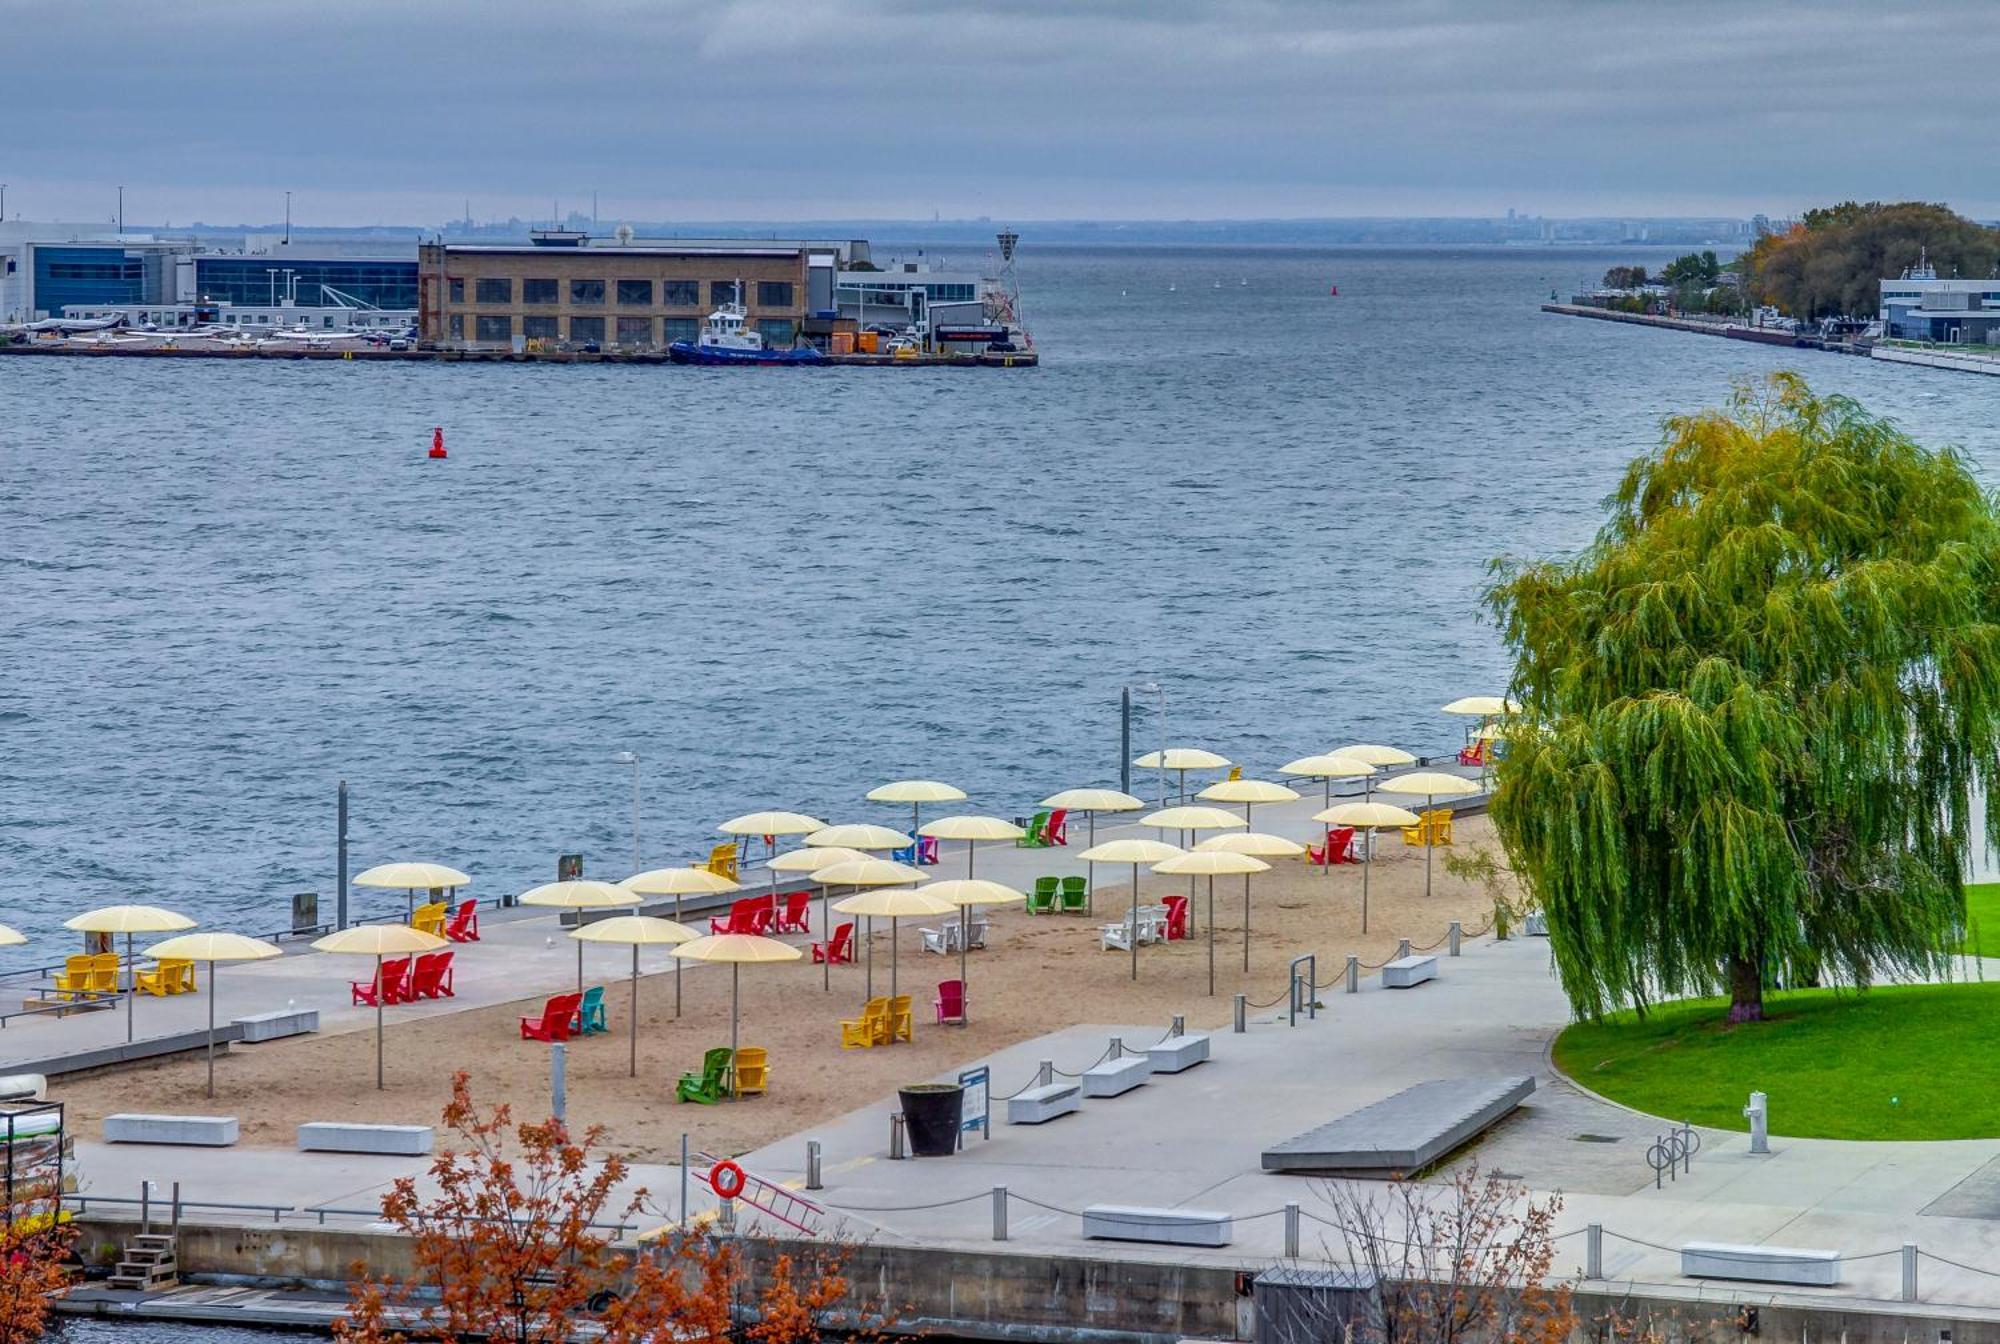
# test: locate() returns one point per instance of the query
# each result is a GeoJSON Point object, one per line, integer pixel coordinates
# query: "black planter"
{"type": "Point", "coordinates": [931, 1114]}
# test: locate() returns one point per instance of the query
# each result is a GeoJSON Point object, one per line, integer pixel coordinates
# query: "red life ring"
{"type": "Point", "coordinates": [727, 1179]}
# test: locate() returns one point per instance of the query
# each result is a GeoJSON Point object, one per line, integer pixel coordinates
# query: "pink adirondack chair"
{"type": "Point", "coordinates": [950, 1001]}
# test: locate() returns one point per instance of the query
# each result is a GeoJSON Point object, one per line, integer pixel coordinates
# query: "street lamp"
{"type": "Point", "coordinates": [1125, 735]}
{"type": "Point", "coordinates": [632, 759]}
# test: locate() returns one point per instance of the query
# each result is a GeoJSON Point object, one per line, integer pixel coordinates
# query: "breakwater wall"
{"type": "Point", "coordinates": [1047, 1296]}
{"type": "Point", "coordinates": [1018, 359]}
{"type": "Point", "coordinates": [1941, 359]}
{"type": "Point", "coordinates": [1734, 331]}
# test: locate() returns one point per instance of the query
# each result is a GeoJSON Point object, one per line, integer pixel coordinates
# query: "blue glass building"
{"type": "Point", "coordinates": [83, 273]}
{"type": "Point", "coordinates": [378, 282]}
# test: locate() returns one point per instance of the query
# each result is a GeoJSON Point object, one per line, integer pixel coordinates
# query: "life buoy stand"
{"type": "Point", "coordinates": [727, 1180]}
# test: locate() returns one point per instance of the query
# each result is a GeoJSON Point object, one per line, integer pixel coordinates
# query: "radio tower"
{"type": "Point", "coordinates": [1005, 298]}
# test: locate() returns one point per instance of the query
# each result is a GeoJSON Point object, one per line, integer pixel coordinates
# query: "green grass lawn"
{"type": "Point", "coordinates": [1982, 919]}
{"type": "Point", "coordinates": [1898, 1062]}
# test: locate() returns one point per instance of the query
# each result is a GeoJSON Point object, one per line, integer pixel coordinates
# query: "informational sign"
{"type": "Point", "coordinates": [972, 1112]}
{"type": "Point", "coordinates": [569, 867]}
{"type": "Point", "coordinates": [305, 912]}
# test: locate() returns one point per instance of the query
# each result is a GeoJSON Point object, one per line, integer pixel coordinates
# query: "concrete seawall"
{"type": "Point", "coordinates": [1758, 335]}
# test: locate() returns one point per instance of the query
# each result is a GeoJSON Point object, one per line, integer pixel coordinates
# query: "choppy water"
{"type": "Point", "coordinates": [224, 587]}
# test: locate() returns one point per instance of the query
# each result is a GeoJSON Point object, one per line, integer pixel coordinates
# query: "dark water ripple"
{"type": "Point", "coordinates": [222, 588]}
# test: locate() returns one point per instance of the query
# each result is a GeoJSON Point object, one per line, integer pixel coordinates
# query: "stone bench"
{"type": "Point", "coordinates": [1041, 1104]}
{"type": "Point", "coordinates": [1404, 1133]}
{"type": "Point", "coordinates": [275, 1026]}
{"type": "Point", "coordinates": [1177, 1053]}
{"type": "Point", "coordinates": [1115, 1077]}
{"type": "Point", "coordinates": [204, 1131]}
{"type": "Point", "coordinates": [1408, 972]}
{"type": "Point", "coordinates": [1171, 1227]}
{"type": "Point", "coordinates": [1536, 925]}
{"type": "Point", "coordinates": [1760, 1264]}
{"type": "Point", "coordinates": [323, 1136]}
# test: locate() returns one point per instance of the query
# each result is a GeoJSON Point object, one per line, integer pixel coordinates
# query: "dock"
{"type": "Point", "coordinates": [1016, 359]}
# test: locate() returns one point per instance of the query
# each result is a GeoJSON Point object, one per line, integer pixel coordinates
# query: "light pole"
{"type": "Point", "coordinates": [632, 759]}
{"type": "Point", "coordinates": [1125, 734]}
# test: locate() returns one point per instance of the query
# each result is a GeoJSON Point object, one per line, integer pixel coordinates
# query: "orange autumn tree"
{"type": "Point", "coordinates": [509, 1248]}
{"type": "Point", "coordinates": [34, 1271]}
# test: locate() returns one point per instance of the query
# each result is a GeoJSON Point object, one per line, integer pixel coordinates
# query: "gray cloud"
{"type": "Point", "coordinates": [373, 109]}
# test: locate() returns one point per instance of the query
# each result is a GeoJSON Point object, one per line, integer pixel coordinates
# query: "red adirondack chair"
{"type": "Point", "coordinates": [842, 949]}
{"type": "Point", "coordinates": [390, 985]}
{"type": "Point", "coordinates": [950, 1001]}
{"type": "Point", "coordinates": [431, 976]}
{"type": "Point", "coordinates": [1338, 847]}
{"type": "Point", "coordinates": [464, 925]}
{"type": "Point", "coordinates": [742, 915]}
{"type": "Point", "coordinates": [1056, 831]}
{"type": "Point", "coordinates": [793, 918]}
{"type": "Point", "coordinates": [558, 1014]}
{"type": "Point", "coordinates": [762, 914]}
{"type": "Point", "coordinates": [1177, 919]}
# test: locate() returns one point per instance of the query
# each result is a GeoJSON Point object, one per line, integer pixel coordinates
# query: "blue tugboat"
{"type": "Point", "coordinates": [726, 338]}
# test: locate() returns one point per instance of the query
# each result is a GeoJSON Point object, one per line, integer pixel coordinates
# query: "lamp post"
{"type": "Point", "coordinates": [632, 759]}
{"type": "Point", "coordinates": [1125, 735]}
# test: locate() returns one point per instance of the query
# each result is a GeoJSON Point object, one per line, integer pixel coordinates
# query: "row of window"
{"type": "Point", "coordinates": [489, 329]}
{"type": "Point", "coordinates": [629, 293]}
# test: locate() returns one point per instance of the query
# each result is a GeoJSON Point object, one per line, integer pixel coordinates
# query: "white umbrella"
{"type": "Point", "coordinates": [915, 792]}
{"type": "Point", "coordinates": [410, 876]}
{"type": "Point", "coordinates": [1181, 760]}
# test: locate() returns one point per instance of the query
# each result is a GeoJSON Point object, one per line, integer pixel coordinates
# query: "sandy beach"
{"type": "Point", "coordinates": [1038, 974]}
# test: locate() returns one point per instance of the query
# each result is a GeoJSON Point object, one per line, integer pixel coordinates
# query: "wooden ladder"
{"type": "Point", "coordinates": [150, 1263]}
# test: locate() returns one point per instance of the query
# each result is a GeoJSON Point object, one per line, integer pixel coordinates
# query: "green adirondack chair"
{"type": "Point", "coordinates": [707, 1086]}
{"type": "Point", "coordinates": [1037, 836]}
{"type": "Point", "coordinates": [1042, 899]}
{"type": "Point", "coordinates": [1074, 897]}
{"type": "Point", "coordinates": [590, 1018]}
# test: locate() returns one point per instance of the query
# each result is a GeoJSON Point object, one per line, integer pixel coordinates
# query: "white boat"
{"type": "Point", "coordinates": [727, 338]}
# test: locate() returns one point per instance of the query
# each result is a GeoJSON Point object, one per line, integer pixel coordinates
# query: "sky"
{"type": "Point", "coordinates": [384, 111]}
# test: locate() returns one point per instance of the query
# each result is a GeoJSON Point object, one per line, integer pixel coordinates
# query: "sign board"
{"type": "Point", "coordinates": [305, 912]}
{"type": "Point", "coordinates": [972, 1111]}
{"type": "Point", "coordinates": [569, 867]}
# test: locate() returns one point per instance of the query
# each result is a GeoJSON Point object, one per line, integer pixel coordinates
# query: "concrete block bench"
{"type": "Point", "coordinates": [1177, 1053]}
{"type": "Point", "coordinates": [1403, 1133]}
{"type": "Point", "coordinates": [1536, 925]}
{"type": "Point", "coordinates": [275, 1026]}
{"type": "Point", "coordinates": [1760, 1264]}
{"type": "Point", "coordinates": [1039, 1105]}
{"type": "Point", "coordinates": [1409, 972]}
{"type": "Point", "coordinates": [322, 1136]}
{"type": "Point", "coordinates": [203, 1131]}
{"type": "Point", "coordinates": [1115, 1077]}
{"type": "Point", "coordinates": [1170, 1227]}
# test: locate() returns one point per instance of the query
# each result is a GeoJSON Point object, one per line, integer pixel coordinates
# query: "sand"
{"type": "Point", "coordinates": [1037, 974]}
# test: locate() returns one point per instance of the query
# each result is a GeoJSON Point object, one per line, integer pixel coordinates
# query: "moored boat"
{"type": "Point", "coordinates": [726, 338]}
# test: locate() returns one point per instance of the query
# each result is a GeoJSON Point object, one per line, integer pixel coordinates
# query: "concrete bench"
{"type": "Point", "coordinates": [274, 1026]}
{"type": "Point", "coordinates": [1115, 1077]}
{"type": "Point", "coordinates": [1536, 925]}
{"type": "Point", "coordinates": [204, 1131]}
{"type": "Point", "coordinates": [1041, 1104]}
{"type": "Point", "coordinates": [1402, 1134]}
{"type": "Point", "coordinates": [1171, 1227]}
{"type": "Point", "coordinates": [1409, 972]}
{"type": "Point", "coordinates": [323, 1136]}
{"type": "Point", "coordinates": [1177, 1053]}
{"type": "Point", "coordinates": [1760, 1264]}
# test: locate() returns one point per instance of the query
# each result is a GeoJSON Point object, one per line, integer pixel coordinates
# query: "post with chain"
{"type": "Point", "coordinates": [1239, 1020]}
{"type": "Point", "coordinates": [1402, 948]}
{"type": "Point", "coordinates": [1353, 973]}
{"type": "Point", "coordinates": [999, 1213]}
{"type": "Point", "coordinates": [1457, 935]}
{"type": "Point", "coordinates": [1292, 1231]}
{"type": "Point", "coordinates": [813, 1165]}
{"type": "Point", "coordinates": [1909, 1271]}
{"type": "Point", "coordinates": [1593, 1251]}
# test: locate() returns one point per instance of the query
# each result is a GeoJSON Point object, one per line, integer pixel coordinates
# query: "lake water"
{"type": "Point", "coordinates": [225, 587]}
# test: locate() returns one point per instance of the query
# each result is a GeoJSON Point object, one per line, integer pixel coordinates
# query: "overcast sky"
{"type": "Point", "coordinates": [384, 110]}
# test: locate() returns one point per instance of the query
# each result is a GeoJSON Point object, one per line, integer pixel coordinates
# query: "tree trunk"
{"type": "Point", "coordinates": [1746, 990]}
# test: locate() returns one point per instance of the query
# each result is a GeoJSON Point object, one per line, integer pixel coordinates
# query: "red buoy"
{"type": "Point", "coordinates": [437, 442]}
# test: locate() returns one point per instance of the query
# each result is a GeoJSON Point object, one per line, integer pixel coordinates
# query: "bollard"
{"type": "Point", "coordinates": [1457, 933]}
{"type": "Point", "coordinates": [145, 1208]}
{"type": "Point", "coordinates": [725, 1215]}
{"type": "Point", "coordinates": [558, 1082]}
{"type": "Point", "coordinates": [1291, 1231]}
{"type": "Point", "coordinates": [1758, 1113]}
{"type": "Point", "coordinates": [1045, 1076]}
{"type": "Point", "coordinates": [999, 1213]}
{"type": "Point", "coordinates": [896, 1153]}
{"type": "Point", "coordinates": [1117, 1048]}
{"type": "Point", "coordinates": [1687, 1145]}
{"type": "Point", "coordinates": [1909, 1271]}
{"type": "Point", "coordinates": [1593, 1251]}
{"type": "Point", "coordinates": [177, 1209]}
{"type": "Point", "coordinates": [812, 1165]}
{"type": "Point", "coordinates": [1353, 973]}
{"type": "Point", "coordinates": [1402, 948]}
{"type": "Point", "coordinates": [1179, 1028]}
{"type": "Point", "coordinates": [1238, 1023]}
{"type": "Point", "coordinates": [684, 1178]}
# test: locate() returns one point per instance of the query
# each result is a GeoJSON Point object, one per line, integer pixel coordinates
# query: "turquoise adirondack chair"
{"type": "Point", "coordinates": [590, 1018]}
{"type": "Point", "coordinates": [707, 1086]}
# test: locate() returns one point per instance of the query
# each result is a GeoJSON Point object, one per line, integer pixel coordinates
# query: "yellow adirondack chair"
{"type": "Point", "coordinates": [870, 1029]}
{"type": "Point", "coordinates": [722, 860]}
{"type": "Point", "coordinates": [430, 918]}
{"type": "Point", "coordinates": [74, 978]}
{"type": "Point", "coordinates": [104, 973]}
{"type": "Point", "coordinates": [752, 1069]}
{"type": "Point", "coordinates": [1440, 824]}
{"type": "Point", "coordinates": [899, 1018]}
{"type": "Point", "coordinates": [168, 977]}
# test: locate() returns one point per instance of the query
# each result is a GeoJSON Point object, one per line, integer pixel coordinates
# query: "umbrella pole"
{"type": "Point", "coordinates": [381, 993]}
{"type": "Point", "coordinates": [1430, 843]}
{"type": "Point", "coordinates": [211, 1030]}
{"type": "Point", "coordinates": [579, 956]}
{"type": "Point", "coordinates": [635, 1010]}
{"type": "Point", "coordinates": [677, 960]}
{"type": "Point", "coordinates": [1246, 921]}
{"type": "Point", "coordinates": [1325, 858]}
{"type": "Point", "coordinates": [735, 992]}
{"type": "Point", "coordinates": [1211, 935]}
{"type": "Point", "coordinates": [1367, 866]}
{"type": "Point", "coordinates": [1132, 923]}
{"type": "Point", "coordinates": [826, 932]}
{"type": "Point", "coordinates": [893, 957]}
{"type": "Point", "coordinates": [1090, 872]}
{"type": "Point", "coordinates": [870, 935]}
{"type": "Point", "coordinates": [964, 941]}
{"type": "Point", "coordinates": [131, 988]}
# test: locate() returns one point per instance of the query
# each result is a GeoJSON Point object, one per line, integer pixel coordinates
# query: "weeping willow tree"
{"type": "Point", "coordinates": [1763, 699]}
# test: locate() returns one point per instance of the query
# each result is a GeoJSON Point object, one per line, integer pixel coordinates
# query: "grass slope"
{"type": "Point", "coordinates": [1982, 919]}
{"type": "Point", "coordinates": [1898, 1062]}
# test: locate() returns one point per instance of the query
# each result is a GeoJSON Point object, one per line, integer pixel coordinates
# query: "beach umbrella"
{"type": "Point", "coordinates": [1187, 819]}
{"type": "Point", "coordinates": [129, 920]}
{"type": "Point", "coordinates": [379, 941]}
{"type": "Point", "coordinates": [211, 948]}
{"type": "Point", "coordinates": [971, 829]}
{"type": "Point", "coordinates": [1327, 769]}
{"type": "Point", "coordinates": [1433, 785]}
{"type": "Point", "coordinates": [809, 861]}
{"type": "Point", "coordinates": [1134, 850]}
{"type": "Point", "coordinates": [1258, 845]}
{"type": "Point", "coordinates": [896, 904]}
{"type": "Point", "coordinates": [581, 894]}
{"type": "Point", "coordinates": [1211, 863]}
{"type": "Point", "coordinates": [1367, 817]}
{"type": "Point", "coordinates": [769, 825]}
{"type": "Point", "coordinates": [738, 950]}
{"type": "Point", "coordinates": [966, 892]}
{"type": "Point", "coordinates": [915, 792]}
{"type": "Point", "coordinates": [1090, 802]}
{"type": "Point", "coordinates": [1248, 792]}
{"type": "Point", "coordinates": [11, 937]}
{"type": "Point", "coordinates": [1482, 706]}
{"type": "Point", "coordinates": [639, 931]}
{"type": "Point", "coordinates": [1181, 760]}
{"type": "Point", "coordinates": [1376, 755]}
{"type": "Point", "coordinates": [410, 876]}
{"type": "Point", "coordinates": [858, 835]}
{"type": "Point", "coordinates": [869, 873]}
{"type": "Point", "coordinates": [678, 883]}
